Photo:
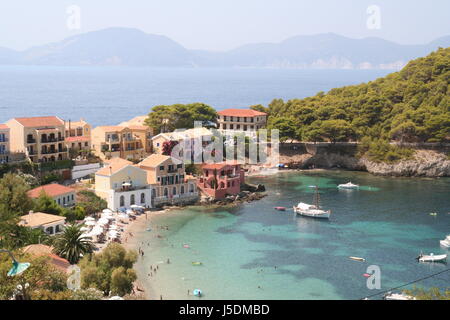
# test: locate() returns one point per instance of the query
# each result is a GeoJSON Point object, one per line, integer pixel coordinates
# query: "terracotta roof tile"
{"type": "Point", "coordinates": [153, 161]}
{"type": "Point", "coordinates": [51, 121]}
{"type": "Point", "coordinates": [39, 250]}
{"type": "Point", "coordinates": [113, 165]}
{"type": "Point", "coordinates": [3, 126]}
{"type": "Point", "coordinates": [37, 219]}
{"type": "Point", "coordinates": [241, 113]}
{"type": "Point", "coordinates": [52, 190]}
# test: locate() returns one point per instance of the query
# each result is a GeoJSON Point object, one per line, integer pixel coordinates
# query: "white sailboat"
{"type": "Point", "coordinates": [348, 185]}
{"type": "Point", "coordinates": [312, 210]}
{"type": "Point", "coordinates": [446, 242]}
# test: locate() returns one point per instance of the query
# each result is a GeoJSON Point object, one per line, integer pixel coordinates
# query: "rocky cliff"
{"type": "Point", "coordinates": [425, 163]}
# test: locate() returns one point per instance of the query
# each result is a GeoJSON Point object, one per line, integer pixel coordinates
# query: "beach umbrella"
{"type": "Point", "coordinates": [107, 211]}
{"type": "Point", "coordinates": [129, 211]}
{"type": "Point", "coordinates": [89, 219]}
{"type": "Point", "coordinates": [90, 223]}
{"type": "Point", "coordinates": [85, 229]}
{"type": "Point", "coordinates": [116, 298]}
{"type": "Point", "coordinates": [122, 216]}
{"type": "Point", "coordinates": [96, 231]}
{"type": "Point", "coordinates": [113, 227]}
{"type": "Point", "coordinates": [102, 221]}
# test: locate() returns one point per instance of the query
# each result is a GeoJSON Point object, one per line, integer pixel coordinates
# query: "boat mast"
{"type": "Point", "coordinates": [317, 198]}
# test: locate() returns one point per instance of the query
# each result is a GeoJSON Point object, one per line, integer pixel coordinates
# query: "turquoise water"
{"type": "Point", "coordinates": [110, 95]}
{"type": "Point", "coordinates": [255, 252]}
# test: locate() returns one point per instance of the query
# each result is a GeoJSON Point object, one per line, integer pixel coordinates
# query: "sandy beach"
{"type": "Point", "coordinates": [131, 241]}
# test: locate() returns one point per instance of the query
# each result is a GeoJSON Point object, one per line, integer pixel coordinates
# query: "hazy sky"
{"type": "Point", "coordinates": [224, 24]}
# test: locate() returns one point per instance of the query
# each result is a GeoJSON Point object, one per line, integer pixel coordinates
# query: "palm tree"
{"type": "Point", "coordinates": [71, 245]}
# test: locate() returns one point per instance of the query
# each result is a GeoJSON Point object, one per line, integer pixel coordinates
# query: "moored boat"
{"type": "Point", "coordinates": [312, 210]}
{"type": "Point", "coordinates": [432, 258]}
{"type": "Point", "coordinates": [357, 259]}
{"type": "Point", "coordinates": [280, 208]}
{"type": "Point", "coordinates": [446, 242]}
{"type": "Point", "coordinates": [348, 185]}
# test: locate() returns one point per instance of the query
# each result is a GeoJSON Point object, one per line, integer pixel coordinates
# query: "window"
{"type": "Point", "coordinates": [182, 190]}
{"type": "Point", "coordinates": [122, 201]}
{"type": "Point", "coordinates": [174, 191]}
{"type": "Point", "coordinates": [161, 168]}
{"type": "Point", "coordinates": [166, 192]}
{"type": "Point", "coordinates": [132, 200]}
{"type": "Point", "coordinates": [180, 166]}
{"type": "Point", "coordinates": [222, 185]}
{"type": "Point", "coordinates": [191, 187]}
{"type": "Point", "coordinates": [142, 197]}
{"type": "Point", "coordinates": [72, 198]}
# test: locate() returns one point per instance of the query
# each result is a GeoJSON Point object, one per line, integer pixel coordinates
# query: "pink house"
{"type": "Point", "coordinates": [221, 179]}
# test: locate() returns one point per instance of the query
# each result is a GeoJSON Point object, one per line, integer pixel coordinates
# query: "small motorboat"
{"type": "Point", "coordinates": [197, 263]}
{"type": "Point", "coordinates": [357, 259]}
{"type": "Point", "coordinates": [446, 242]}
{"type": "Point", "coordinates": [280, 208]}
{"type": "Point", "coordinates": [432, 258]}
{"type": "Point", "coordinates": [398, 296]}
{"type": "Point", "coordinates": [348, 185]}
{"type": "Point", "coordinates": [197, 292]}
{"type": "Point", "coordinates": [434, 214]}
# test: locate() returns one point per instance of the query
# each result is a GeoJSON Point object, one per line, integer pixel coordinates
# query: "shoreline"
{"type": "Point", "coordinates": [131, 242]}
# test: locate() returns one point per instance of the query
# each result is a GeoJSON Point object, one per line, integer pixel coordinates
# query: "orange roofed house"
{"type": "Point", "coordinates": [170, 184]}
{"type": "Point", "coordinates": [78, 136]}
{"type": "Point", "coordinates": [241, 120]}
{"type": "Point", "coordinates": [49, 223]}
{"type": "Point", "coordinates": [41, 138]}
{"type": "Point", "coordinates": [131, 143]}
{"type": "Point", "coordinates": [123, 184]}
{"type": "Point", "coordinates": [39, 250]}
{"type": "Point", "coordinates": [64, 196]}
{"type": "Point", "coordinates": [219, 180]}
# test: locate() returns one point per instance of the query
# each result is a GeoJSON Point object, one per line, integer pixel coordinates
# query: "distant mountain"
{"type": "Point", "coordinates": [131, 47]}
{"type": "Point", "coordinates": [114, 46]}
{"type": "Point", "coordinates": [8, 56]}
{"type": "Point", "coordinates": [329, 51]}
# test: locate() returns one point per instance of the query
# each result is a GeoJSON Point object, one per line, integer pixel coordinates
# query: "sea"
{"type": "Point", "coordinates": [111, 95]}
{"type": "Point", "coordinates": [252, 251]}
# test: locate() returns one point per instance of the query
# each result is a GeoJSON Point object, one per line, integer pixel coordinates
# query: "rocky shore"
{"type": "Point", "coordinates": [249, 193]}
{"type": "Point", "coordinates": [425, 163]}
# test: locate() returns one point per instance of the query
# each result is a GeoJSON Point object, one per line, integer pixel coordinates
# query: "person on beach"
{"type": "Point", "coordinates": [168, 261]}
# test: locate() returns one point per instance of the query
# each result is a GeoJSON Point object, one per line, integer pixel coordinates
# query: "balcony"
{"type": "Point", "coordinates": [49, 140]}
{"type": "Point", "coordinates": [31, 140]}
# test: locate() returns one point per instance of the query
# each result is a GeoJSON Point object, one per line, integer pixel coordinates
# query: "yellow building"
{"type": "Point", "coordinates": [170, 185]}
{"type": "Point", "coordinates": [4, 144]}
{"type": "Point", "coordinates": [131, 143]}
{"type": "Point", "coordinates": [122, 185]}
{"type": "Point", "coordinates": [78, 135]}
{"type": "Point", "coordinates": [40, 138]}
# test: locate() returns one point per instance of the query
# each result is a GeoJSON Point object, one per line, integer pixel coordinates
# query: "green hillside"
{"type": "Point", "coordinates": [412, 105]}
